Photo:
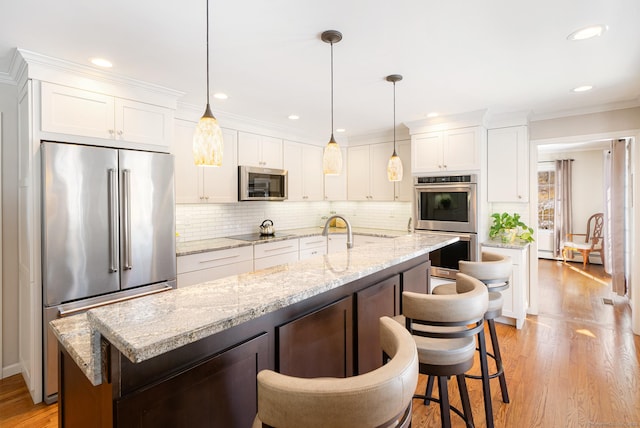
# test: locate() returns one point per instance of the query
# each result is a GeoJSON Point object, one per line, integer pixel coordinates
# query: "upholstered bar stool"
{"type": "Point", "coordinates": [494, 271]}
{"type": "Point", "coordinates": [444, 328]}
{"type": "Point", "coordinates": [380, 398]}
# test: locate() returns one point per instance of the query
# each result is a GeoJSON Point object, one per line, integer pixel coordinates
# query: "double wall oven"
{"type": "Point", "coordinates": [448, 205]}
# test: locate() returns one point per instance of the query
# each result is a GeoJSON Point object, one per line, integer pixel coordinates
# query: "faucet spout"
{"type": "Point", "coordinates": [325, 231]}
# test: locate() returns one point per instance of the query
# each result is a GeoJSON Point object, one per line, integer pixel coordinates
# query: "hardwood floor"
{"type": "Point", "coordinates": [576, 364]}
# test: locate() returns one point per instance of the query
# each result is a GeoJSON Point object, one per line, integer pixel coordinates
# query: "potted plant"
{"type": "Point", "coordinates": [508, 227]}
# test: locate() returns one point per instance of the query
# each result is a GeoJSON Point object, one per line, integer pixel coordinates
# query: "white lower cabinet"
{"type": "Point", "coordinates": [212, 265]}
{"type": "Point", "coordinates": [275, 253]}
{"type": "Point", "coordinates": [311, 246]}
{"type": "Point", "coordinates": [514, 309]}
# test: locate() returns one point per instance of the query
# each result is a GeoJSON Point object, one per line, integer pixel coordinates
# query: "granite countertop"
{"type": "Point", "coordinates": [202, 246]}
{"type": "Point", "coordinates": [148, 326]}
{"type": "Point", "coordinates": [515, 245]}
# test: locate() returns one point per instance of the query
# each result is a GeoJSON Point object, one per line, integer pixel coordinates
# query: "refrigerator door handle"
{"type": "Point", "coordinates": [113, 218]}
{"type": "Point", "coordinates": [126, 212]}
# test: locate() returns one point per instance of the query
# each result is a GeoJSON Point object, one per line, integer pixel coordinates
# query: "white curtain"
{"type": "Point", "coordinates": [562, 217]}
{"type": "Point", "coordinates": [614, 241]}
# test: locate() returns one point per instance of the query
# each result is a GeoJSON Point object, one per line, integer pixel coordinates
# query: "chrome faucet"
{"type": "Point", "coordinates": [325, 231]}
{"type": "Point", "coordinates": [409, 225]}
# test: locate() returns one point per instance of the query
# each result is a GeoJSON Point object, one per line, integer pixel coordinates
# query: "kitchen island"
{"type": "Point", "coordinates": [189, 357]}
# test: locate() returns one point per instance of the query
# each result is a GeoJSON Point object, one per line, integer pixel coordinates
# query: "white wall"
{"type": "Point", "coordinates": [9, 336]}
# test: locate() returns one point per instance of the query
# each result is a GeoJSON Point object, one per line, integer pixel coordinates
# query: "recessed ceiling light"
{"type": "Point", "coordinates": [588, 32]}
{"type": "Point", "coordinates": [582, 88]}
{"type": "Point", "coordinates": [101, 62]}
{"type": "Point", "coordinates": [433, 114]}
{"type": "Point", "coordinates": [294, 117]}
{"type": "Point", "coordinates": [341, 130]}
{"type": "Point", "coordinates": [220, 96]}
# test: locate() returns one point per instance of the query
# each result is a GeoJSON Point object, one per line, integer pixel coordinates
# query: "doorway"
{"type": "Point", "coordinates": [574, 146]}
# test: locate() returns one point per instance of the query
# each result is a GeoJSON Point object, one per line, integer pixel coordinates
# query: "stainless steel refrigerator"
{"type": "Point", "coordinates": [108, 232]}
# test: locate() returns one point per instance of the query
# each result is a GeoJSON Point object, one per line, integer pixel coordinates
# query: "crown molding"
{"type": "Point", "coordinates": [45, 68]}
{"type": "Point", "coordinates": [441, 123]}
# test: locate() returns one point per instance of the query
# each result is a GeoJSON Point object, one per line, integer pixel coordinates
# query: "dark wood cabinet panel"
{"type": "Point", "coordinates": [372, 303]}
{"type": "Point", "coordinates": [417, 279]}
{"type": "Point", "coordinates": [219, 392]}
{"type": "Point", "coordinates": [81, 404]}
{"type": "Point", "coordinates": [319, 344]}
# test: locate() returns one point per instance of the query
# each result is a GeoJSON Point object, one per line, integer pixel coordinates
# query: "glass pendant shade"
{"type": "Point", "coordinates": [394, 168]}
{"type": "Point", "coordinates": [332, 158]}
{"type": "Point", "coordinates": [207, 141]}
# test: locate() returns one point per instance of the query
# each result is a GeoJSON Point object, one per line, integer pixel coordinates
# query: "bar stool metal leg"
{"type": "Point", "coordinates": [486, 388]}
{"type": "Point", "coordinates": [498, 358]}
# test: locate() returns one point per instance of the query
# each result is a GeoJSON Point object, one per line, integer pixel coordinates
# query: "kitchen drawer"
{"type": "Point", "coordinates": [275, 248]}
{"type": "Point", "coordinates": [312, 252]}
{"type": "Point", "coordinates": [278, 259]}
{"type": "Point", "coordinates": [211, 274]}
{"type": "Point", "coordinates": [211, 259]}
{"type": "Point", "coordinates": [313, 242]}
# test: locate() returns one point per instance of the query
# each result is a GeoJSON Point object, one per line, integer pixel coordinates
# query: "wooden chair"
{"type": "Point", "coordinates": [593, 240]}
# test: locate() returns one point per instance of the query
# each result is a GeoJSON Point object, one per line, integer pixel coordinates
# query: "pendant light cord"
{"type": "Point", "coordinates": [207, 52]}
{"type": "Point", "coordinates": [332, 91]}
{"type": "Point", "coordinates": [394, 119]}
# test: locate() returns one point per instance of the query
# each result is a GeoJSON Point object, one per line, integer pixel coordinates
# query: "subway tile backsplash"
{"type": "Point", "coordinates": [207, 221]}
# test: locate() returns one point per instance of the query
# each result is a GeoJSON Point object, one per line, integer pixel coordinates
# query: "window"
{"type": "Point", "coordinates": [546, 199]}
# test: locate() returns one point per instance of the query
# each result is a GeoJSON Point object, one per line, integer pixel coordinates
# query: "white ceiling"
{"type": "Point", "coordinates": [456, 56]}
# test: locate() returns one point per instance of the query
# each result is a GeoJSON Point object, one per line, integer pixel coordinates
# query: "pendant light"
{"type": "Point", "coordinates": [207, 139]}
{"type": "Point", "coordinates": [394, 167]}
{"type": "Point", "coordinates": [332, 156]}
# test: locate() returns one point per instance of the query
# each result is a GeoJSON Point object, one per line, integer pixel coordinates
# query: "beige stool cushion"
{"type": "Point", "coordinates": [493, 266]}
{"type": "Point", "coordinates": [368, 400]}
{"type": "Point", "coordinates": [496, 300]}
{"type": "Point", "coordinates": [441, 352]}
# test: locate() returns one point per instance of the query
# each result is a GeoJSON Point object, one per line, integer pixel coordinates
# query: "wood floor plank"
{"type": "Point", "coordinates": [576, 364]}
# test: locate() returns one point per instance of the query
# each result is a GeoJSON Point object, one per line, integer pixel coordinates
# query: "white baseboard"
{"type": "Point", "coordinates": [10, 370]}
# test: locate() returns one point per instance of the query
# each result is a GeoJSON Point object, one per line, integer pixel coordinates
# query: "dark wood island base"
{"type": "Point", "coordinates": [212, 382]}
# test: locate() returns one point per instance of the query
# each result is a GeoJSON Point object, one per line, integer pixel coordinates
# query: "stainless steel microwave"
{"type": "Point", "coordinates": [262, 184]}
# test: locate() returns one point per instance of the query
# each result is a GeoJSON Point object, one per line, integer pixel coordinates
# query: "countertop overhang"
{"type": "Point", "coordinates": [149, 326]}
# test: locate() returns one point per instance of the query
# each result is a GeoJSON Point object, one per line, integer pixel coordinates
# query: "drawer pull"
{"type": "Point", "coordinates": [219, 258]}
{"type": "Point", "coordinates": [279, 248]}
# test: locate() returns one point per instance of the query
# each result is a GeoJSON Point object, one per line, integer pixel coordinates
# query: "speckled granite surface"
{"type": "Point", "coordinates": [75, 335]}
{"type": "Point", "coordinates": [202, 246]}
{"type": "Point", "coordinates": [515, 245]}
{"type": "Point", "coordinates": [194, 247]}
{"type": "Point", "coordinates": [152, 325]}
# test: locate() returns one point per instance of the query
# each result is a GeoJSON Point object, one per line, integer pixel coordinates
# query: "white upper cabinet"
{"type": "Point", "coordinates": [335, 186]}
{"type": "Point", "coordinates": [304, 165]}
{"type": "Point", "coordinates": [446, 151]}
{"type": "Point", "coordinates": [196, 184]}
{"type": "Point", "coordinates": [367, 173]}
{"type": "Point", "coordinates": [508, 164]}
{"type": "Point", "coordinates": [73, 111]}
{"type": "Point", "coordinates": [259, 150]}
